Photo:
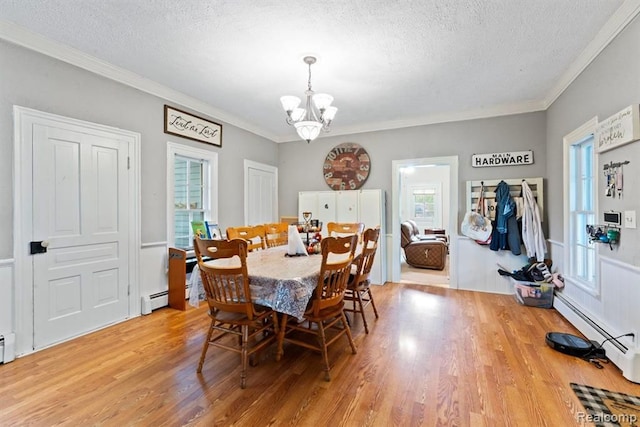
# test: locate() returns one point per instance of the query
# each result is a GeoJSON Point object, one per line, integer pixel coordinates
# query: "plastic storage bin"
{"type": "Point", "coordinates": [533, 294]}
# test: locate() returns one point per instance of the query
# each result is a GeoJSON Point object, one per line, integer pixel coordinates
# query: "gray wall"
{"type": "Point", "coordinates": [301, 163]}
{"type": "Point", "coordinates": [36, 81]}
{"type": "Point", "coordinates": [609, 84]}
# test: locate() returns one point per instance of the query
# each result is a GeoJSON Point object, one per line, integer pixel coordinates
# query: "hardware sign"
{"type": "Point", "coordinates": [510, 158]}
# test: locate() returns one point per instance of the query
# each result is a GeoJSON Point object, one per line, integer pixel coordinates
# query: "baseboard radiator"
{"type": "Point", "coordinates": [7, 348]}
{"type": "Point", "coordinates": [158, 300]}
{"type": "Point", "coordinates": [623, 354]}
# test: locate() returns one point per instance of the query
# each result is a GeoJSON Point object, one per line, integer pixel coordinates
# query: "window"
{"type": "Point", "coordinates": [426, 206]}
{"type": "Point", "coordinates": [580, 208]}
{"type": "Point", "coordinates": [192, 191]}
{"type": "Point", "coordinates": [189, 200]}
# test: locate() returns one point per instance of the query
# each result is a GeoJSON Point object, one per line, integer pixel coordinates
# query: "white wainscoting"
{"type": "Point", "coordinates": [153, 268]}
{"type": "Point", "coordinates": [615, 310]}
{"type": "Point", "coordinates": [390, 253]}
{"type": "Point", "coordinates": [6, 296]}
{"type": "Point", "coordinates": [478, 267]}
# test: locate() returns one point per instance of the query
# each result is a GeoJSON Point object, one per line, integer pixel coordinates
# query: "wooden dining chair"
{"type": "Point", "coordinates": [358, 288]}
{"type": "Point", "coordinates": [237, 324]}
{"type": "Point", "coordinates": [324, 320]}
{"type": "Point", "coordinates": [276, 234]}
{"type": "Point", "coordinates": [340, 229]}
{"type": "Point", "coordinates": [254, 235]}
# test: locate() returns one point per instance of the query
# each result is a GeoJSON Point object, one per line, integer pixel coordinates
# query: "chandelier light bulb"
{"type": "Point", "coordinates": [329, 114]}
{"type": "Point", "coordinates": [322, 100]}
{"type": "Point", "coordinates": [289, 103]}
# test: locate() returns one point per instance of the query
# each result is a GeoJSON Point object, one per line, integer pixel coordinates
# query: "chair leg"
{"type": "Point", "coordinates": [283, 328]}
{"type": "Point", "coordinates": [205, 347]}
{"type": "Point", "coordinates": [364, 319]}
{"type": "Point", "coordinates": [245, 340]}
{"type": "Point", "coordinates": [325, 355]}
{"type": "Point", "coordinates": [373, 304]}
{"type": "Point", "coordinates": [353, 300]}
{"type": "Point", "coordinates": [354, 350]}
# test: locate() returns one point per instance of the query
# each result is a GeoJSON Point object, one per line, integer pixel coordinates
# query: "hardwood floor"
{"type": "Point", "coordinates": [424, 276]}
{"type": "Point", "coordinates": [435, 357]}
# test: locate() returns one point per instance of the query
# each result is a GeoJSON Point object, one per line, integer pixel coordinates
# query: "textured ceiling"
{"type": "Point", "coordinates": [387, 63]}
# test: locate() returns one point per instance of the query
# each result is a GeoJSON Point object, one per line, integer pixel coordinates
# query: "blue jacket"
{"type": "Point", "coordinates": [506, 234]}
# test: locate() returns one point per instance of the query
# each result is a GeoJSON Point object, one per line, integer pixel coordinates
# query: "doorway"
{"type": "Point", "coordinates": [425, 190]}
{"type": "Point", "coordinates": [76, 191]}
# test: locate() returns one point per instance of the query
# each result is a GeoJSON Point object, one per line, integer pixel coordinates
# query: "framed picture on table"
{"type": "Point", "coordinates": [214, 231]}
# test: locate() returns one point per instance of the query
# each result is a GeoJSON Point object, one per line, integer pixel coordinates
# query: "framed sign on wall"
{"type": "Point", "coordinates": [186, 125]}
{"type": "Point", "coordinates": [619, 129]}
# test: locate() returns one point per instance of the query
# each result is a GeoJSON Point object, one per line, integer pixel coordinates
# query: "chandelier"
{"type": "Point", "coordinates": [316, 116]}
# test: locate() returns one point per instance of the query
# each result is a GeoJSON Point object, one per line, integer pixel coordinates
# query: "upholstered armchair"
{"type": "Point", "coordinates": [423, 251]}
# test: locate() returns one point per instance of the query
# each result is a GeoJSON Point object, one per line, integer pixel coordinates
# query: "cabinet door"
{"type": "Point", "coordinates": [326, 211]}
{"type": "Point", "coordinates": [307, 202]}
{"type": "Point", "coordinates": [347, 206]}
{"type": "Point", "coordinates": [370, 207]}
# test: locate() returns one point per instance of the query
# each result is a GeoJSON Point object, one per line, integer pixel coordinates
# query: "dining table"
{"type": "Point", "coordinates": [277, 280]}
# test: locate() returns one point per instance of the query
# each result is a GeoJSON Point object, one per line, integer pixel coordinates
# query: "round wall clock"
{"type": "Point", "coordinates": [346, 167]}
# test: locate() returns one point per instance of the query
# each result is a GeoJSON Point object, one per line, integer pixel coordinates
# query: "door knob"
{"type": "Point", "coordinates": [38, 247]}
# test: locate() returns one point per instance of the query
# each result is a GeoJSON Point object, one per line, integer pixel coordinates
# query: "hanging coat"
{"type": "Point", "coordinates": [505, 234]}
{"type": "Point", "coordinates": [532, 234]}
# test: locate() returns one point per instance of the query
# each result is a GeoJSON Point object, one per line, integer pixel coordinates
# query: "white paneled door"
{"type": "Point", "coordinates": [261, 200]}
{"type": "Point", "coordinates": [80, 210]}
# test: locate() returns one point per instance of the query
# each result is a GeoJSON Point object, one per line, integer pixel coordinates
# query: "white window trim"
{"type": "Point", "coordinates": [437, 187]}
{"type": "Point", "coordinates": [570, 139]}
{"type": "Point", "coordinates": [211, 157]}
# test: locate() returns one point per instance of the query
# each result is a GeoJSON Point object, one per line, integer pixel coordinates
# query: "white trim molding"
{"type": "Point", "coordinates": [213, 178]}
{"type": "Point", "coordinates": [24, 119]}
{"type": "Point", "coordinates": [620, 19]}
{"type": "Point", "coordinates": [583, 131]}
{"type": "Point", "coordinates": [30, 40]}
{"type": "Point", "coordinates": [396, 166]}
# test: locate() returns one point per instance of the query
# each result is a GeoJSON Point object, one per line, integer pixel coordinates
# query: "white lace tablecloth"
{"type": "Point", "coordinates": [281, 282]}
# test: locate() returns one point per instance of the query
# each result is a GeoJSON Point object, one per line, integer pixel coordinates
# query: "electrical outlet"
{"type": "Point", "coordinates": [629, 219]}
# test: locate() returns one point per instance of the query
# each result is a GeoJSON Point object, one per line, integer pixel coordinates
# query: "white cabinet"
{"type": "Point", "coordinates": [366, 206]}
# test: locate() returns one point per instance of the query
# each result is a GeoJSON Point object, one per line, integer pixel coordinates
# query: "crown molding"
{"type": "Point", "coordinates": [482, 113]}
{"type": "Point", "coordinates": [22, 37]}
{"type": "Point", "coordinates": [618, 21]}
{"type": "Point", "coordinates": [30, 40]}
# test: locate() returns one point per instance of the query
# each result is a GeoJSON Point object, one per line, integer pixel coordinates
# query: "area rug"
{"type": "Point", "coordinates": [607, 408]}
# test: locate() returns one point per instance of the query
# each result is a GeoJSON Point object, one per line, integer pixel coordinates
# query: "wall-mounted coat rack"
{"type": "Point", "coordinates": [515, 187]}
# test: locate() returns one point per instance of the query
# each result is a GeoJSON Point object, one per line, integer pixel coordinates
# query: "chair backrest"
{"type": "Point", "coordinates": [276, 234]}
{"type": "Point", "coordinates": [341, 229]}
{"type": "Point", "coordinates": [334, 274]}
{"type": "Point", "coordinates": [407, 235]}
{"type": "Point", "coordinates": [254, 235]}
{"type": "Point", "coordinates": [364, 261]}
{"type": "Point", "coordinates": [226, 286]}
